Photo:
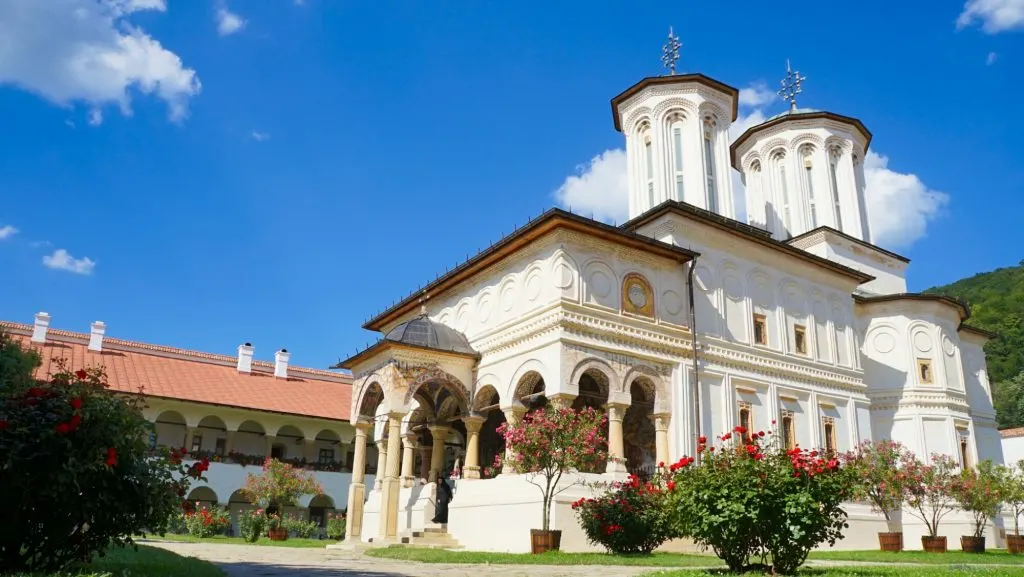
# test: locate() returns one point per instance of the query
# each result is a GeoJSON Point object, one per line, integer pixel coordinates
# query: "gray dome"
{"type": "Point", "coordinates": [793, 112]}
{"type": "Point", "coordinates": [423, 332]}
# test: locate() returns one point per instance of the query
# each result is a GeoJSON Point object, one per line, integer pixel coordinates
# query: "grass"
{"type": "Point", "coordinates": [997, 556]}
{"type": "Point", "coordinates": [946, 571]}
{"type": "Point", "coordinates": [146, 562]}
{"type": "Point", "coordinates": [221, 539]}
{"type": "Point", "coordinates": [550, 558]}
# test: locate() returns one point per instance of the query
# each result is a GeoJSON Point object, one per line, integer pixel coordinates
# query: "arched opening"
{"type": "Point", "coordinates": [492, 444]}
{"type": "Point", "coordinates": [319, 507]}
{"type": "Point", "coordinates": [530, 391]}
{"type": "Point", "coordinates": [170, 430]}
{"type": "Point", "coordinates": [210, 437]}
{"type": "Point", "coordinates": [288, 445]}
{"type": "Point", "coordinates": [328, 453]}
{"type": "Point", "coordinates": [200, 497]}
{"type": "Point", "coordinates": [237, 503]}
{"type": "Point", "coordinates": [638, 430]}
{"type": "Point", "coordinates": [442, 402]}
{"type": "Point", "coordinates": [593, 393]}
{"type": "Point", "coordinates": [250, 441]}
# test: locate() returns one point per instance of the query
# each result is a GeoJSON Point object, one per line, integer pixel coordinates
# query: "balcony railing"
{"type": "Point", "coordinates": [246, 460]}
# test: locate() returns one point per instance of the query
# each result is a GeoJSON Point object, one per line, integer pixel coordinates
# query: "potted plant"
{"type": "Point", "coordinates": [880, 470]}
{"type": "Point", "coordinates": [1013, 497]}
{"type": "Point", "coordinates": [279, 485]}
{"type": "Point", "coordinates": [980, 493]}
{"type": "Point", "coordinates": [547, 444]}
{"type": "Point", "coordinates": [930, 497]}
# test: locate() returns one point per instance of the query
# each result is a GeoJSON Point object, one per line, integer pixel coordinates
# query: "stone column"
{"type": "Point", "coordinates": [616, 447]}
{"type": "Point", "coordinates": [390, 486]}
{"type": "Point", "coordinates": [270, 443]}
{"type": "Point", "coordinates": [561, 400]}
{"type": "Point", "coordinates": [189, 433]}
{"type": "Point", "coordinates": [661, 422]}
{"type": "Point", "coordinates": [513, 415]}
{"type": "Point", "coordinates": [408, 459]}
{"type": "Point", "coordinates": [382, 464]}
{"type": "Point", "coordinates": [425, 463]}
{"type": "Point", "coordinates": [311, 455]}
{"type": "Point", "coordinates": [440, 435]}
{"type": "Point", "coordinates": [229, 444]}
{"type": "Point", "coordinates": [357, 489]}
{"type": "Point", "coordinates": [472, 468]}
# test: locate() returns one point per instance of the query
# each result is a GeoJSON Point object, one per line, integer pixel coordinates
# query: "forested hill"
{"type": "Point", "coordinates": [997, 304]}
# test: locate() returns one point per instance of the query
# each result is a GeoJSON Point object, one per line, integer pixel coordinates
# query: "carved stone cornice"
{"type": "Point", "coordinates": [918, 400]}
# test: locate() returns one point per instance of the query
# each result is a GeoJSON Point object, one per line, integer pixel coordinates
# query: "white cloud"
{"type": "Point", "coordinates": [991, 58]}
{"type": "Point", "coordinates": [228, 22]}
{"type": "Point", "coordinates": [259, 136]}
{"type": "Point", "coordinates": [62, 260]}
{"type": "Point", "coordinates": [995, 16]}
{"type": "Point", "coordinates": [899, 205]}
{"type": "Point", "coordinates": [71, 51]}
{"type": "Point", "coordinates": [40, 243]}
{"type": "Point", "coordinates": [756, 95]}
{"type": "Point", "coordinates": [7, 232]}
{"type": "Point", "coordinates": [599, 188]}
{"type": "Point", "coordinates": [95, 117]}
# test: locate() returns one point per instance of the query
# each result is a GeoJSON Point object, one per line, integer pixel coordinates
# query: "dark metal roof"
{"type": "Point", "coordinates": [423, 332]}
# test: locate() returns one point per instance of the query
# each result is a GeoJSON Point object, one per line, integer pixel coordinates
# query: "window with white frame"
{"type": "Point", "coordinates": [835, 153]}
{"type": "Point", "coordinates": [807, 154]}
{"type": "Point", "coordinates": [709, 163]}
{"type": "Point", "coordinates": [676, 128]}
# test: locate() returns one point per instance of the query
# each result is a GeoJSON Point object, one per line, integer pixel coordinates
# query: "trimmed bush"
{"type": "Point", "coordinates": [252, 523]}
{"type": "Point", "coordinates": [336, 526]}
{"type": "Point", "coordinates": [301, 528]}
{"type": "Point", "coordinates": [630, 517]}
{"type": "Point", "coordinates": [207, 522]}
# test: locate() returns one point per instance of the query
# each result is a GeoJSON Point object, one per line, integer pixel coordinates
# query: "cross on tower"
{"type": "Point", "coordinates": [670, 52]}
{"type": "Point", "coordinates": [791, 86]}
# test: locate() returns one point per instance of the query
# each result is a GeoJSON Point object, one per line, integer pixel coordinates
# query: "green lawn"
{"type": "Point", "coordinates": [552, 558]}
{"type": "Point", "coordinates": [146, 562]}
{"type": "Point", "coordinates": [999, 556]}
{"type": "Point", "coordinates": [951, 571]}
{"type": "Point", "coordinates": [290, 542]}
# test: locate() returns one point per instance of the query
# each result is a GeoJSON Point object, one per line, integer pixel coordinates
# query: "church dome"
{"type": "Point", "coordinates": [423, 332]}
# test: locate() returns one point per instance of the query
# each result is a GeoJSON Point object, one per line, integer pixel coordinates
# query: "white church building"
{"type": "Point", "coordinates": [681, 322]}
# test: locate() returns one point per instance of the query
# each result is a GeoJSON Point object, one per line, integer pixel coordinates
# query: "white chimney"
{"type": "Point", "coordinates": [281, 363]}
{"type": "Point", "coordinates": [39, 329]}
{"type": "Point", "coordinates": [96, 332]}
{"type": "Point", "coordinates": [245, 358]}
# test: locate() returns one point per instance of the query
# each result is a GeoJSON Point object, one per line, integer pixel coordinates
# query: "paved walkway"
{"type": "Point", "coordinates": [262, 561]}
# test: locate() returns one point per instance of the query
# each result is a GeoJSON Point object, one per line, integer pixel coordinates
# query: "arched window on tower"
{"type": "Point", "coordinates": [834, 154]}
{"type": "Point", "coordinates": [709, 163]}
{"type": "Point", "coordinates": [676, 131]}
{"type": "Point", "coordinates": [807, 155]}
{"type": "Point", "coordinates": [756, 184]}
{"type": "Point", "coordinates": [782, 190]}
{"type": "Point", "coordinates": [649, 166]}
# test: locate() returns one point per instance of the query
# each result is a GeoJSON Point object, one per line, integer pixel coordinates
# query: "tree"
{"type": "Point", "coordinates": [1013, 492]}
{"type": "Point", "coordinates": [548, 443]}
{"type": "Point", "coordinates": [280, 485]}
{"type": "Point", "coordinates": [76, 469]}
{"type": "Point", "coordinates": [980, 493]}
{"type": "Point", "coordinates": [879, 471]}
{"type": "Point", "coordinates": [930, 492]}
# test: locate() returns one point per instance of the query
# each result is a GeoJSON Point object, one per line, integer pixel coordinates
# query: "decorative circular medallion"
{"type": "Point", "coordinates": [948, 346]}
{"type": "Point", "coordinates": [673, 302]}
{"type": "Point", "coordinates": [637, 295]}
{"type": "Point", "coordinates": [884, 342]}
{"type": "Point", "coordinates": [922, 341]}
{"type": "Point", "coordinates": [508, 296]}
{"type": "Point", "coordinates": [600, 284]}
{"type": "Point", "coordinates": [533, 287]}
{"type": "Point", "coordinates": [563, 276]}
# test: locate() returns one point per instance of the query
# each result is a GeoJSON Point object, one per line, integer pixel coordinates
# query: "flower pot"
{"type": "Point", "coordinates": [933, 544]}
{"type": "Point", "coordinates": [972, 544]}
{"type": "Point", "coordinates": [543, 541]}
{"type": "Point", "coordinates": [279, 534]}
{"type": "Point", "coordinates": [891, 541]}
{"type": "Point", "coordinates": [1015, 544]}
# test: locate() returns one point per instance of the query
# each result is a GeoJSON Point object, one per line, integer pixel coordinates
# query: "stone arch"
{"type": "Point", "coordinates": [773, 148]}
{"type": "Point", "coordinates": [671, 106]}
{"type": "Point", "coordinates": [170, 428]}
{"type": "Point", "coordinates": [748, 161]}
{"type": "Point", "coordinates": [432, 378]}
{"type": "Point", "coordinates": [631, 124]}
{"type": "Point", "coordinates": [662, 398]}
{"type": "Point", "coordinates": [371, 394]}
{"type": "Point", "coordinates": [203, 494]}
{"type": "Point", "coordinates": [486, 396]}
{"type": "Point", "coordinates": [836, 146]}
{"type": "Point", "coordinates": [638, 428]}
{"type": "Point", "coordinates": [800, 140]}
{"type": "Point", "coordinates": [525, 380]}
{"type": "Point", "coordinates": [593, 379]}
{"type": "Point", "coordinates": [713, 111]}
{"type": "Point", "coordinates": [599, 370]}
{"type": "Point", "coordinates": [239, 496]}
{"type": "Point", "coordinates": [565, 274]}
{"type": "Point", "coordinates": [213, 422]}
{"type": "Point", "coordinates": [322, 500]}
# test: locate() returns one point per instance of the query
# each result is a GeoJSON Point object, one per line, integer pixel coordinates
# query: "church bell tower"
{"type": "Point", "coordinates": [677, 138]}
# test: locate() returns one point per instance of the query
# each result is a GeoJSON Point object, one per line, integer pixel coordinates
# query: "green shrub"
{"type": "Point", "coordinates": [750, 501]}
{"type": "Point", "coordinates": [336, 526]}
{"type": "Point", "coordinates": [630, 517]}
{"type": "Point", "coordinates": [207, 522]}
{"type": "Point", "coordinates": [252, 523]}
{"type": "Point", "coordinates": [301, 528]}
{"type": "Point", "coordinates": [76, 466]}
{"type": "Point", "coordinates": [176, 524]}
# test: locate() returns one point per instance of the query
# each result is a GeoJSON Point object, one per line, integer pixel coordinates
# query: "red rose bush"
{"type": "Point", "coordinates": [629, 518]}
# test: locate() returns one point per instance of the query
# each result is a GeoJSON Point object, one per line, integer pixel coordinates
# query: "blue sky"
{"type": "Point", "coordinates": [278, 171]}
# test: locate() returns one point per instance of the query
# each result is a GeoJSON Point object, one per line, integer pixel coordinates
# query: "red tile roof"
{"type": "Point", "coordinates": [185, 375]}
{"type": "Point", "coordinates": [1012, 433]}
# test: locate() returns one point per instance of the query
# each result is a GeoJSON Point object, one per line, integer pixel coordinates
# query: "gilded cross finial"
{"type": "Point", "coordinates": [670, 52]}
{"type": "Point", "coordinates": [791, 86]}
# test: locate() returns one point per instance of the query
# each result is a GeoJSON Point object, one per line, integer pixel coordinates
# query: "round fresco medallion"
{"type": "Point", "coordinates": [637, 295]}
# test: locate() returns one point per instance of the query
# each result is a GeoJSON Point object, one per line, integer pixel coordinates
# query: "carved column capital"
{"type": "Point", "coordinates": [473, 424]}
{"type": "Point", "coordinates": [661, 421]}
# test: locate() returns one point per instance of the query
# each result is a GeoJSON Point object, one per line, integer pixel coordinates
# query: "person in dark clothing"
{"type": "Point", "coordinates": [442, 496]}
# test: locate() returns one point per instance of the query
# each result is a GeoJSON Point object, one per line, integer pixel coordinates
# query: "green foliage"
{"type": "Point", "coordinates": [280, 485]}
{"type": "Point", "coordinates": [749, 500]}
{"type": "Point", "coordinates": [252, 523]}
{"type": "Point", "coordinates": [301, 528]}
{"type": "Point", "coordinates": [930, 493]}
{"type": "Point", "coordinates": [207, 522]}
{"type": "Point", "coordinates": [1013, 492]}
{"type": "Point", "coordinates": [629, 518]}
{"type": "Point", "coordinates": [979, 491]}
{"type": "Point", "coordinates": [176, 524]}
{"type": "Point", "coordinates": [336, 526]}
{"type": "Point", "coordinates": [878, 471]}
{"type": "Point", "coordinates": [76, 470]}
{"type": "Point", "coordinates": [997, 304]}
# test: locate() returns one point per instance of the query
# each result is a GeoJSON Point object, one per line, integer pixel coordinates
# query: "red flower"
{"type": "Point", "coordinates": [111, 457]}
{"type": "Point", "coordinates": [76, 403]}
{"type": "Point", "coordinates": [34, 392]}
{"type": "Point", "coordinates": [75, 421]}
{"type": "Point", "coordinates": [702, 440]}
{"type": "Point", "coordinates": [62, 428]}
{"type": "Point", "coordinates": [81, 374]}
{"type": "Point", "coordinates": [758, 457]}
{"type": "Point", "coordinates": [671, 485]}
{"type": "Point", "coordinates": [740, 430]}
